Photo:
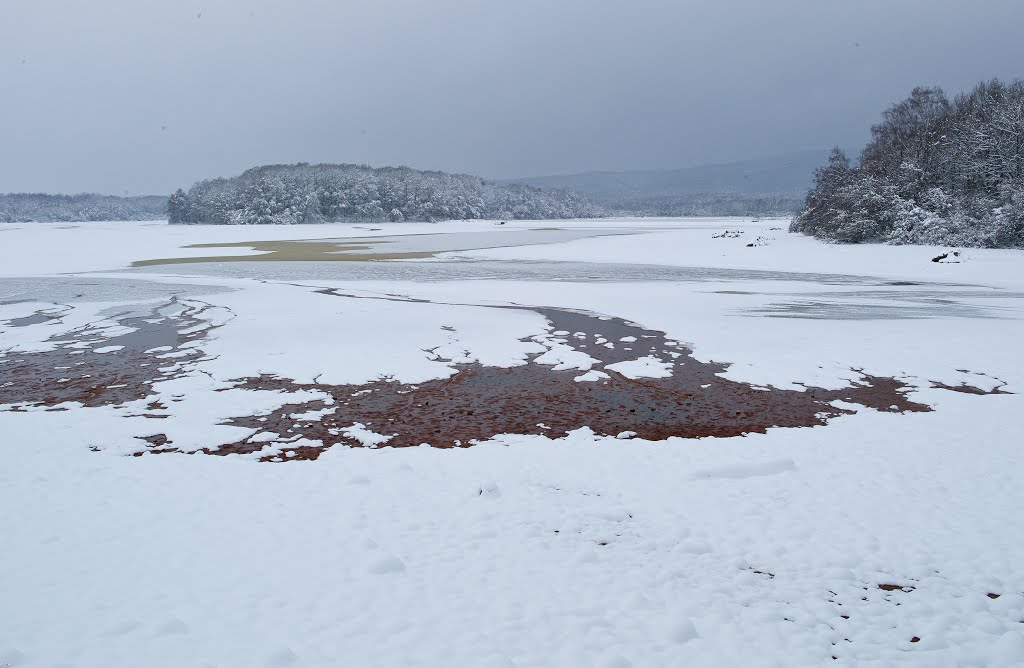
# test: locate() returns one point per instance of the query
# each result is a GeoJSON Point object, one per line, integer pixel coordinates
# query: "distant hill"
{"type": "Point", "coordinates": [42, 208]}
{"type": "Point", "coordinates": [304, 193]}
{"type": "Point", "coordinates": [774, 184]}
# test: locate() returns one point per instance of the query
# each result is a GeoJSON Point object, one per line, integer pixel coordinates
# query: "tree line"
{"type": "Point", "coordinates": [936, 171]}
{"type": "Point", "coordinates": [33, 207]}
{"type": "Point", "coordinates": [304, 193]}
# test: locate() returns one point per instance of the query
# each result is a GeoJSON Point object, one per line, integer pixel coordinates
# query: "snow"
{"type": "Point", "coordinates": [692, 244]}
{"type": "Point", "coordinates": [367, 437]}
{"type": "Point", "coordinates": [642, 367]}
{"type": "Point", "coordinates": [380, 339]}
{"type": "Point", "coordinates": [591, 376]}
{"type": "Point", "coordinates": [560, 356]}
{"type": "Point", "coordinates": [557, 550]}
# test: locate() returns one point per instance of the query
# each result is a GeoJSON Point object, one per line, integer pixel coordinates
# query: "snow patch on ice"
{"type": "Point", "coordinates": [643, 367]}
{"type": "Point", "coordinates": [366, 437]}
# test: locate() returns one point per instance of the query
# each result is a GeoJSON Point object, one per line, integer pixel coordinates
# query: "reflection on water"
{"type": "Point", "coordinates": [507, 270]}
{"type": "Point", "coordinates": [928, 302]}
{"type": "Point", "coordinates": [409, 258]}
{"type": "Point", "coordinates": [71, 289]}
{"type": "Point", "coordinates": [879, 298]}
{"type": "Point", "coordinates": [37, 318]}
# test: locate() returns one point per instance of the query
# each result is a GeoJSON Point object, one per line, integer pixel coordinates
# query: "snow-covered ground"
{"type": "Point", "coordinates": [879, 539]}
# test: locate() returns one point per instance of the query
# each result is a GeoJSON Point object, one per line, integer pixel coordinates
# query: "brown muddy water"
{"type": "Point", "coordinates": [970, 389]}
{"type": "Point", "coordinates": [89, 366]}
{"type": "Point", "coordinates": [474, 405]}
{"type": "Point", "coordinates": [481, 402]}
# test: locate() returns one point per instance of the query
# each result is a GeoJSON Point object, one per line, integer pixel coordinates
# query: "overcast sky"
{"type": "Point", "coordinates": [136, 96]}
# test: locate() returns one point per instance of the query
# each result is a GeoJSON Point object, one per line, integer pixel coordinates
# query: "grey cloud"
{"type": "Point", "coordinates": [143, 97]}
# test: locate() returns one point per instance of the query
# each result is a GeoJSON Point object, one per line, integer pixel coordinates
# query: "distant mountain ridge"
{"type": "Point", "coordinates": [773, 185]}
{"type": "Point", "coordinates": [762, 186]}
{"type": "Point", "coordinates": [788, 173]}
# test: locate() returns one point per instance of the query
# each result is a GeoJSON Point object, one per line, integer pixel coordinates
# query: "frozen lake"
{"type": "Point", "coordinates": [648, 443]}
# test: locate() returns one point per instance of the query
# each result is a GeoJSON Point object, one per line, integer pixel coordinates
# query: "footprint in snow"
{"type": "Point", "coordinates": [387, 565]}
{"type": "Point", "coordinates": [172, 626]}
{"type": "Point", "coordinates": [739, 471]}
{"type": "Point", "coordinates": [281, 657]}
{"type": "Point", "coordinates": [683, 631]}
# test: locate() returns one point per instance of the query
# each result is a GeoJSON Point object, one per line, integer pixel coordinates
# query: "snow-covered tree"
{"type": "Point", "coordinates": [25, 207]}
{"type": "Point", "coordinates": [935, 171]}
{"type": "Point", "coordinates": [304, 193]}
